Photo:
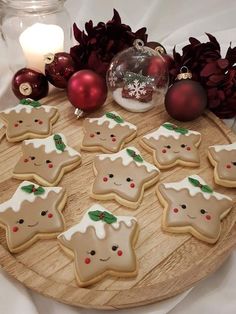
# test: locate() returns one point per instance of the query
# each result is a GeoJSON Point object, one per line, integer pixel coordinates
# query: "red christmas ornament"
{"type": "Point", "coordinates": [185, 100]}
{"type": "Point", "coordinates": [29, 83]}
{"type": "Point", "coordinates": [59, 68]}
{"type": "Point", "coordinates": [86, 91]}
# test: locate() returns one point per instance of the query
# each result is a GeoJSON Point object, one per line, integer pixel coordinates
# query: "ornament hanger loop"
{"type": "Point", "coordinates": [160, 50]}
{"type": "Point", "coordinates": [138, 44]}
{"type": "Point", "coordinates": [184, 73]}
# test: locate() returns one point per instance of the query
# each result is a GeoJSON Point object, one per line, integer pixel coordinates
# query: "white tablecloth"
{"type": "Point", "coordinates": [170, 22]}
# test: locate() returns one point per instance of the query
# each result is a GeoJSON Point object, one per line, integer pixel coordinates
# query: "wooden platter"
{"type": "Point", "coordinates": [168, 264]}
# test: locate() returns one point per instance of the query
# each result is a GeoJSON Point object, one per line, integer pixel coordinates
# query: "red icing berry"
{"type": "Point", "coordinates": [164, 151]}
{"type": "Point", "coordinates": [132, 185]}
{"type": "Point", "coordinates": [87, 260]}
{"type": "Point", "coordinates": [40, 122]}
{"type": "Point", "coordinates": [33, 190]}
{"type": "Point", "coordinates": [228, 166]}
{"type": "Point", "coordinates": [15, 229]}
{"type": "Point", "coordinates": [113, 139]}
{"type": "Point", "coordinates": [188, 148]}
{"type": "Point", "coordinates": [16, 125]}
{"type": "Point", "coordinates": [119, 253]}
{"type": "Point", "coordinates": [105, 179]}
{"type": "Point", "coordinates": [50, 165]}
{"type": "Point", "coordinates": [175, 210]}
{"type": "Point", "coordinates": [50, 215]}
{"type": "Point", "coordinates": [26, 160]}
{"type": "Point", "coordinates": [91, 135]}
{"type": "Point", "coordinates": [208, 217]}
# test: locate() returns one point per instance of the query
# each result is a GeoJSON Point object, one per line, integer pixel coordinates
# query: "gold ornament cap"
{"type": "Point", "coordinates": [184, 74]}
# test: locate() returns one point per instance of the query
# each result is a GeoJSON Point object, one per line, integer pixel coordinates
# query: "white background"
{"type": "Point", "coordinates": [170, 22]}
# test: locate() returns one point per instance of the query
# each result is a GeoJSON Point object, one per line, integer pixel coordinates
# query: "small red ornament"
{"type": "Point", "coordinates": [185, 100]}
{"type": "Point", "coordinates": [59, 67]}
{"type": "Point", "coordinates": [86, 91]}
{"type": "Point", "coordinates": [29, 83]}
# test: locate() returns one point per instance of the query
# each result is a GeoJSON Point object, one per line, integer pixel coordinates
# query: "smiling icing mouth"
{"type": "Point", "coordinates": [37, 165]}
{"type": "Point", "coordinates": [117, 184]}
{"type": "Point", "coordinates": [102, 139]}
{"type": "Point", "coordinates": [191, 217]}
{"type": "Point", "coordinates": [34, 225]}
{"type": "Point", "coordinates": [104, 259]}
{"type": "Point", "coordinates": [176, 152]}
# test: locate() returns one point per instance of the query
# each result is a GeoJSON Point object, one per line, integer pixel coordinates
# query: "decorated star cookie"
{"type": "Point", "coordinates": [223, 158]}
{"type": "Point", "coordinates": [108, 133]}
{"type": "Point", "coordinates": [28, 120]}
{"type": "Point", "coordinates": [46, 160]}
{"type": "Point", "coordinates": [192, 206]}
{"type": "Point", "coordinates": [101, 244]}
{"type": "Point", "coordinates": [172, 145]}
{"type": "Point", "coordinates": [123, 176]}
{"type": "Point", "coordinates": [33, 212]}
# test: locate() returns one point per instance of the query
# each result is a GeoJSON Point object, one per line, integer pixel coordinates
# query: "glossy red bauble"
{"type": "Point", "coordinates": [59, 67]}
{"type": "Point", "coordinates": [185, 100]}
{"type": "Point", "coordinates": [86, 90]}
{"type": "Point", "coordinates": [29, 83]}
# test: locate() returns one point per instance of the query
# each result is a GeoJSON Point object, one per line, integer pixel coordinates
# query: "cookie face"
{"type": "Point", "coordinates": [223, 158]}
{"type": "Point", "coordinates": [192, 206]}
{"type": "Point", "coordinates": [33, 212]}
{"type": "Point", "coordinates": [108, 133]}
{"type": "Point", "coordinates": [123, 176]}
{"type": "Point", "coordinates": [172, 145]}
{"type": "Point", "coordinates": [28, 120]}
{"type": "Point", "coordinates": [46, 160]}
{"type": "Point", "coordinates": [101, 244]}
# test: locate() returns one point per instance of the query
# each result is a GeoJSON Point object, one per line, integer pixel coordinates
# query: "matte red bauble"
{"type": "Point", "coordinates": [86, 90]}
{"type": "Point", "coordinates": [29, 83]}
{"type": "Point", "coordinates": [185, 100]}
{"type": "Point", "coordinates": [59, 67]}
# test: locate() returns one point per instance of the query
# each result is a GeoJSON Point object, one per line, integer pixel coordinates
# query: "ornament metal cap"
{"type": "Point", "coordinates": [184, 74]}
{"type": "Point", "coordinates": [49, 58]}
{"type": "Point", "coordinates": [79, 113]}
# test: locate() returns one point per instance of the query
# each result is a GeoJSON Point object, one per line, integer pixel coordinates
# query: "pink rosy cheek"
{"type": "Point", "coordinates": [16, 125]}
{"type": "Point", "coordinates": [105, 179]}
{"type": "Point", "coordinates": [87, 260]}
{"type": "Point", "coordinates": [188, 148]}
{"type": "Point", "coordinates": [113, 139]}
{"type": "Point", "coordinates": [26, 160]}
{"type": "Point", "coordinates": [40, 122]}
{"type": "Point", "coordinates": [175, 210]}
{"type": "Point", "coordinates": [228, 166]}
{"type": "Point", "coordinates": [50, 215]}
{"type": "Point", "coordinates": [164, 151]}
{"type": "Point", "coordinates": [50, 165]}
{"type": "Point", "coordinates": [91, 135]}
{"type": "Point", "coordinates": [132, 185]}
{"type": "Point", "coordinates": [208, 217]}
{"type": "Point", "coordinates": [15, 229]}
{"type": "Point", "coordinates": [119, 253]}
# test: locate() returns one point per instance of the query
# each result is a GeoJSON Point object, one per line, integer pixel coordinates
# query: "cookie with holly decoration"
{"type": "Point", "coordinates": [46, 160]}
{"type": "Point", "coordinates": [123, 176]}
{"type": "Point", "coordinates": [34, 212]}
{"type": "Point", "coordinates": [223, 159]}
{"type": "Point", "coordinates": [172, 145]}
{"type": "Point", "coordinates": [108, 133]}
{"type": "Point", "coordinates": [29, 119]}
{"type": "Point", "coordinates": [101, 244]}
{"type": "Point", "coordinates": [191, 206]}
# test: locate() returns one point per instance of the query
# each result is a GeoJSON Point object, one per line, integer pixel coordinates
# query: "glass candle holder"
{"type": "Point", "coordinates": [34, 28]}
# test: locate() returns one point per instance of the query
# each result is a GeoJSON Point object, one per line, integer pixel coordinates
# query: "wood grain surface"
{"type": "Point", "coordinates": [168, 264]}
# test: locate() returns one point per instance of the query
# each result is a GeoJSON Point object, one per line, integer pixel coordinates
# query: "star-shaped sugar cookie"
{"type": "Point", "coordinates": [29, 119]}
{"type": "Point", "coordinates": [101, 244]}
{"type": "Point", "coordinates": [223, 158]}
{"type": "Point", "coordinates": [172, 145]}
{"type": "Point", "coordinates": [192, 206]}
{"type": "Point", "coordinates": [46, 160]}
{"type": "Point", "coordinates": [108, 133]}
{"type": "Point", "coordinates": [123, 176]}
{"type": "Point", "coordinates": [33, 212]}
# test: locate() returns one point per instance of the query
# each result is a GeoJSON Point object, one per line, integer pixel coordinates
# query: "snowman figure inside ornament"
{"type": "Point", "coordinates": [138, 77]}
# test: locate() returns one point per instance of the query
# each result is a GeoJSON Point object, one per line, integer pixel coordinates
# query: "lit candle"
{"type": "Point", "coordinates": [39, 40]}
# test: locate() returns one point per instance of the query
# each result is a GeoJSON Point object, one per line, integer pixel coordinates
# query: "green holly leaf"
{"type": "Point", "coordinates": [168, 126]}
{"type": "Point", "coordinates": [30, 102]}
{"type": "Point", "coordinates": [28, 188]}
{"type": "Point", "coordinates": [172, 127]}
{"type": "Point", "coordinates": [135, 156]}
{"type": "Point", "coordinates": [60, 145]}
{"type": "Point", "coordinates": [98, 215]}
{"type": "Point", "coordinates": [194, 182]}
{"type": "Point", "coordinates": [39, 191]}
{"type": "Point", "coordinates": [95, 215]}
{"type": "Point", "coordinates": [109, 218]}
{"type": "Point", "coordinates": [181, 131]}
{"type": "Point", "coordinates": [206, 188]}
{"type": "Point", "coordinates": [114, 117]}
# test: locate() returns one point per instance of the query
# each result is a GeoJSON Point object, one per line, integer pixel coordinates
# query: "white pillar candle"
{"type": "Point", "coordinates": [39, 40]}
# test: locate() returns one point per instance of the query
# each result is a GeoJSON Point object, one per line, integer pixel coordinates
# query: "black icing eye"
{"type": "Point", "coordinates": [128, 179]}
{"type": "Point", "coordinates": [202, 211]}
{"type": "Point", "coordinates": [48, 161]}
{"type": "Point", "coordinates": [92, 252]}
{"type": "Point", "coordinates": [111, 175]}
{"type": "Point", "coordinates": [183, 145]}
{"type": "Point", "coordinates": [112, 135]}
{"type": "Point", "coordinates": [98, 133]}
{"type": "Point", "coordinates": [168, 146]}
{"type": "Point", "coordinates": [183, 206]}
{"type": "Point", "coordinates": [32, 158]}
{"type": "Point", "coordinates": [20, 121]}
{"type": "Point", "coordinates": [21, 221]}
{"type": "Point", "coordinates": [36, 120]}
{"type": "Point", "coordinates": [114, 247]}
{"type": "Point", "coordinates": [44, 212]}
{"type": "Point", "coordinates": [234, 163]}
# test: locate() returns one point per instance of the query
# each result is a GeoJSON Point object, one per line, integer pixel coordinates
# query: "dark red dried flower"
{"type": "Point", "coordinates": [216, 74]}
{"type": "Point", "coordinates": [99, 44]}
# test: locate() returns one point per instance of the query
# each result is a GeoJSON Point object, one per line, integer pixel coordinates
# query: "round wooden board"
{"type": "Point", "coordinates": [168, 264]}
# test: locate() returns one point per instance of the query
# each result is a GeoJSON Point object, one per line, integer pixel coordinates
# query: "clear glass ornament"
{"type": "Point", "coordinates": [138, 78]}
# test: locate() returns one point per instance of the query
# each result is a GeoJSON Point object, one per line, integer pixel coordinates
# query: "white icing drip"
{"type": "Point", "coordinates": [162, 131]}
{"type": "Point", "coordinates": [128, 159]}
{"type": "Point", "coordinates": [27, 109]}
{"type": "Point", "coordinates": [112, 123]}
{"type": "Point", "coordinates": [20, 196]}
{"type": "Point", "coordinates": [99, 226]}
{"type": "Point", "coordinates": [227, 147]}
{"type": "Point", "coordinates": [50, 145]}
{"type": "Point", "coordinates": [185, 184]}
